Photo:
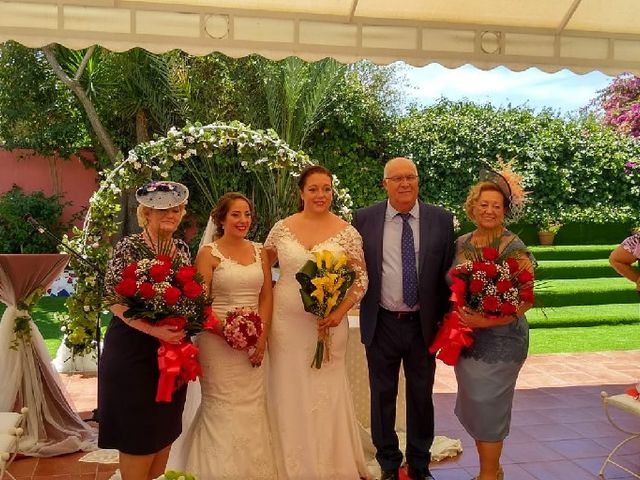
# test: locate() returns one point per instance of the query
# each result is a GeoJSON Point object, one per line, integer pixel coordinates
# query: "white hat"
{"type": "Point", "coordinates": [162, 194]}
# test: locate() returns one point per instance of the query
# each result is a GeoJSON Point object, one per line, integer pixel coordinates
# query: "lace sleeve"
{"type": "Point", "coordinates": [122, 255]}
{"type": "Point", "coordinates": [274, 236]}
{"type": "Point", "coordinates": [351, 241]}
{"type": "Point", "coordinates": [632, 245]}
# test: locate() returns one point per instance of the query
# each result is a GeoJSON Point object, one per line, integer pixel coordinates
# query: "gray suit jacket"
{"type": "Point", "coordinates": [435, 257]}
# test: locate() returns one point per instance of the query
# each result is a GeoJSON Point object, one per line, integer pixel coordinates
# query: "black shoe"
{"type": "Point", "coordinates": [417, 474]}
{"type": "Point", "coordinates": [390, 475]}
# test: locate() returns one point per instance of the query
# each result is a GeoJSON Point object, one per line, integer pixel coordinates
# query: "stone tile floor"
{"type": "Point", "coordinates": [559, 429]}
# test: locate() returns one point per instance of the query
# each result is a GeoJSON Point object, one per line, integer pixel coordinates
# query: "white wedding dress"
{"type": "Point", "coordinates": [229, 437]}
{"type": "Point", "coordinates": [313, 421]}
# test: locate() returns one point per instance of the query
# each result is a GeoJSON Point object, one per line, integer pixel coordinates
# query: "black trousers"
{"type": "Point", "coordinates": [399, 340]}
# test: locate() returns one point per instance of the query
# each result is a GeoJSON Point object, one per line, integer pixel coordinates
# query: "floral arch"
{"type": "Point", "coordinates": [260, 153]}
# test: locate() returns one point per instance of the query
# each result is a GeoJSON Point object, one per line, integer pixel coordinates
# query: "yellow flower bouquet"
{"type": "Point", "coordinates": [324, 283]}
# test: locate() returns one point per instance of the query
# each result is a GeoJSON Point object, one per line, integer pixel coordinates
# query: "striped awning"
{"type": "Point", "coordinates": [581, 35]}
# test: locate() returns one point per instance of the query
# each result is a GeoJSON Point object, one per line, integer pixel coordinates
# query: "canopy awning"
{"type": "Point", "coordinates": [581, 35]}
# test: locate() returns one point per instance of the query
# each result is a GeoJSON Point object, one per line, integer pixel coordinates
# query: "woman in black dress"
{"type": "Point", "coordinates": [131, 421]}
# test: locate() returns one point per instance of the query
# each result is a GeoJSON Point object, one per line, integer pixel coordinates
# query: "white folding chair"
{"type": "Point", "coordinates": [628, 404]}
{"type": "Point", "coordinates": [10, 433]}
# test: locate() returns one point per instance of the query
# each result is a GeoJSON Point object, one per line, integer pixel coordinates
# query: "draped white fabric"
{"type": "Point", "coordinates": [52, 426]}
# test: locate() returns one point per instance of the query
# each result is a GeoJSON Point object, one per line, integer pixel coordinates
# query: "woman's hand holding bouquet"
{"type": "Point", "coordinates": [324, 283]}
{"type": "Point", "coordinates": [172, 300]}
{"type": "Point", "coordinates": [487, 290]}
{"type": "Point", "coordinates": [242, 329]}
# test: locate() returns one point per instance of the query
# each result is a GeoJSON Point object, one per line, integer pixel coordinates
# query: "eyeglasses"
{"type": "Point", "coordinates": [401, 178]}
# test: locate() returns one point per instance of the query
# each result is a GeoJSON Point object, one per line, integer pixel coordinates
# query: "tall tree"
{"type": "Point", "coordinates": [35, 111]}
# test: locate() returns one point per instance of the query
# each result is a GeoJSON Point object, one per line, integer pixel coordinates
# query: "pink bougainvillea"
{"type": "Point", "coordinates": [620, 102]}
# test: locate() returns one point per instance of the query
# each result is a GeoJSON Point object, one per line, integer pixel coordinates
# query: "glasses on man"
{"type": "Point", "coordinates": [402, 178]}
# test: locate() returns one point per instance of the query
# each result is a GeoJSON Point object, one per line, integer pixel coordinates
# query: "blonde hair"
{"type": "Point", "coordinates": [142, 210]}
{"type": "Point", "coordinates": [474, 194]}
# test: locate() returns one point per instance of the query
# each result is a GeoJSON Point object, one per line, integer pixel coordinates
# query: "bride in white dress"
{"type": "Point", "coordinates": [229, 438]}
{"type": "Point", "coordinates": [311, 410]}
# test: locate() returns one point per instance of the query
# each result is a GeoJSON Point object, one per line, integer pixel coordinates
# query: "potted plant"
{"type": "Point", "coordinates": [548, 227]}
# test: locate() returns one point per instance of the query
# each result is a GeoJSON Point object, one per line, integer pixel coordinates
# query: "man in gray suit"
{"type": "Point", "coordinates": [408, 248]}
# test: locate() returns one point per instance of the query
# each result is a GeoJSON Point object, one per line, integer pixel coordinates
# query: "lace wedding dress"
{"type": "Point", "coordinates": [311, 410]}
{"type": "Point", "coordinates": [229, 437]}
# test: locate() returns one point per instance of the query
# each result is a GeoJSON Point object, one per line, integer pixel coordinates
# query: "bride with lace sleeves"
{"type": "Point", "coordinates": [311, 411]}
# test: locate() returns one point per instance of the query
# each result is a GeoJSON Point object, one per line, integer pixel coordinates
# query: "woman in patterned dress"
{"type": "Point", "coordinates": [131, 421]}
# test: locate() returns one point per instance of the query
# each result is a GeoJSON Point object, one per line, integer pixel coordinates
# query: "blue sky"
{"type": "Point", "coordinates": [563, 91]}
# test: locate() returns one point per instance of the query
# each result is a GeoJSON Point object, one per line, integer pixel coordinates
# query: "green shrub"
{"type": "Point", "coordinates": [18, 236]}
{"type": "Point", "coordinates": [575, 169]}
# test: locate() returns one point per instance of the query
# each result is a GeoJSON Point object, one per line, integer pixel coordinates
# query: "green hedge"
{"type": "Point", "coordinates": [574, 169]}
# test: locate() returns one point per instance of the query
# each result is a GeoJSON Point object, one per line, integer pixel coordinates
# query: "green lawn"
{"type": "Point", "coordinates": [611, 327]}
{"type": "Point", "coordinates": [584, 291]}
{"type": "Point", "coordinates": [603, 338]}
{"type": "Point", "coordinates": [584, 315]}
{"type": "Point", "coordinates": [592, 268]}
{"type": "Point", "coordinates": [49, 328]}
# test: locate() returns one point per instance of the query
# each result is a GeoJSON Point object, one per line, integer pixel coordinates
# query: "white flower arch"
{"type": "Point", "coordinates": [259, 152]}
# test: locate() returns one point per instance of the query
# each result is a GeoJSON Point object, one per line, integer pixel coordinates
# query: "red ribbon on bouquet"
{"type": "Point", "coordinates": [451, 339]}
{"type": "Point", "coordinates": [178, 363]}
{"type": "Point", "coordinates": [633, 391]}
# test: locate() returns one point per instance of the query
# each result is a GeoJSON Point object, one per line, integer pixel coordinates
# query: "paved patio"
{"type": "Point", "coordinates": [559, 430]}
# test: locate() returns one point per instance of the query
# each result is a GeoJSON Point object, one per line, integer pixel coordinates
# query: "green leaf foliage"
{"type": "Point", "coordinates": [37, 111]}
{"type": "Point", "coordinates": [18, 236]}
{"type": "Point", "coordinates": [574, 169]}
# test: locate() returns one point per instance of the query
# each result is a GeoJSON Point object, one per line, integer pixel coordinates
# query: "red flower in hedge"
{"type": "Point", "coordinates": [503, 285]}
{"type": "Point", "coordinates": [476, 286]}
{"type": "Point", "coordinates": [508, 308]}
{"type": "Point", "coordinates": [130, 271]}
{"type": "Point", "coordinates": [490, 253]}
{"type": "Point", "coordinates": [526, 295]}
{"type": "Point", "coordinates": [192, 289]}
{"type": "Point", "coordinates": [147, 291]}
{"type": "Point", "coordinates": [490, 303]}
{"type": "Point", "coordinates": [185, 274]}
{"type": "Point", "coordinates": [525, 276]}
{"type": "Point", "coordinates": [160, 272]}
{"type": "Point", "coordinates": [513, 265]}
{"type": "Point", "coordinates": [127, 287]}
{"type": "Point", "coordinates": [172, 295]}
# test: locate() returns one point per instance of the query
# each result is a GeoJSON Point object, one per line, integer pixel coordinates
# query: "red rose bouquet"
{"type": "Point", "coordinates": [242, 329]}
{"type": "Point", "coordinates": [163, 292]}
{"type": "Point", "coordinates": [489, 282]}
